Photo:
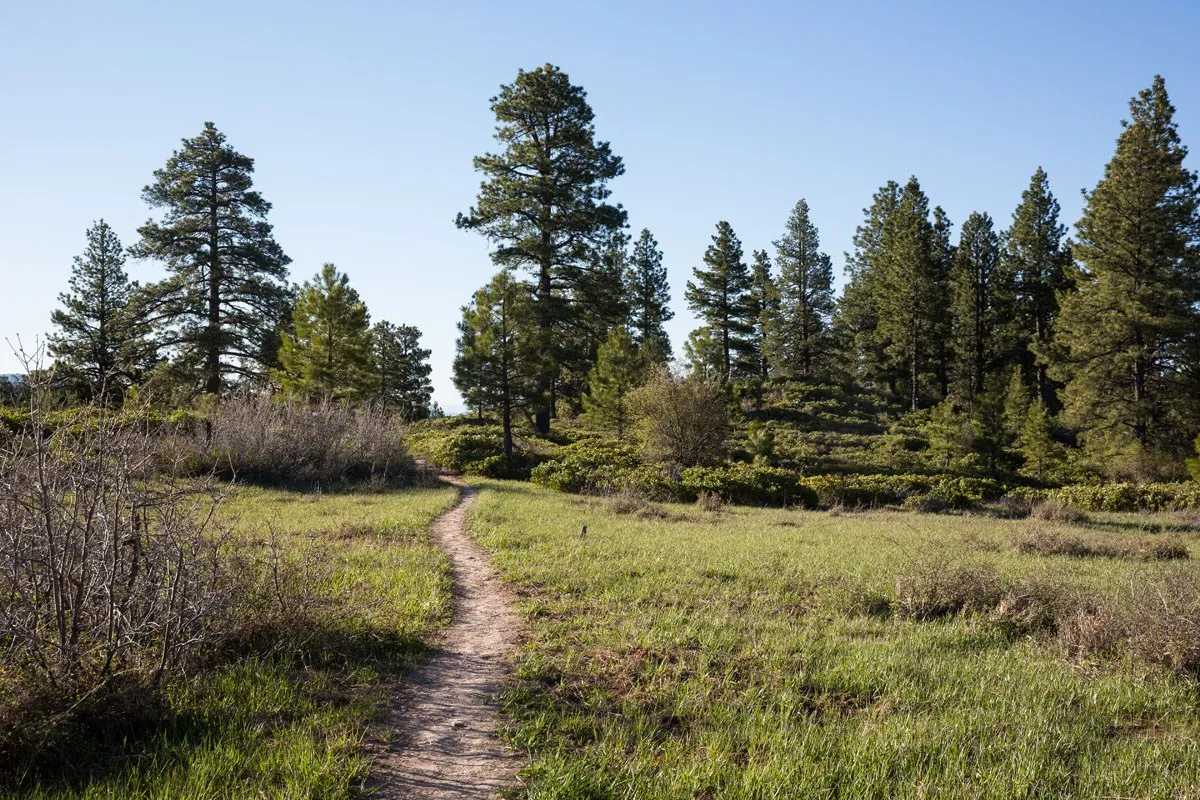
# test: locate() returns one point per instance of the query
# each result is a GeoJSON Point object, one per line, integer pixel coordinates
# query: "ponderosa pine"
{"type": "Point", "coordinates": [227, 287]}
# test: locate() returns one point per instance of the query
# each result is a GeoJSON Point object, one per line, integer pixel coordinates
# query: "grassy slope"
{"type": "Point", "coordinates": [680, 657]}
{"type": "Point", "coordinates": [291, 724]}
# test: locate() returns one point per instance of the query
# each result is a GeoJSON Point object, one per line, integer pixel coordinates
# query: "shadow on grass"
{"type": "Point", "coordinates": [143, 734]}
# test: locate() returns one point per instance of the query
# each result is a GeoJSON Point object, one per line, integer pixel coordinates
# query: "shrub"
{"type": "Point", "coordinates": [1156, 620]}
{"type": "Point", "coordinates": [935, 590]}
{"type": "Point", "coordinates": [710, 502]}
{"type": "Point", "coordinates": [1035, 605]}
{"type": "Point", "coordinates": [113, 577]}
{"type": "Point", "coordinates": [1040, 542]}
{"type": "Point", "coordinates": [748, 484]}
{"type": "Point", "coordinates": [681, 420]}
{"type": "Point", "coordinates": [1055, 510]}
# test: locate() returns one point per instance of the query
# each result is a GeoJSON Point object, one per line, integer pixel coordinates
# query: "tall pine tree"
{"type": "Point", "coordinates": [226, 292]}
{"type": "Point", "coordinates": [860, 345]}
{"type": "Point", "coordinates": [96, 344]}
{"type": "Point", "coordinates": [978, 310]}
{"type": "Point", "coordinates": [1128, 341]}
{"type": "Point", "coordinates": [720, 297]}
{"type": "Point", "coordinates": [1038, 261]}
{"type": "Point", "coordinates": [911, 294]}
{"type": "Point", "coordinates": [649, 299]}
{"type": "Point", "coordinates": [799, 339]}
{"type": "Point", "coordinates": [498, 360]}
{"type": "Point", "coordinates": [543, 202]}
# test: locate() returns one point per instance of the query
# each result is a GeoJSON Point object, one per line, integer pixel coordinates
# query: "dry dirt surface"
{"type": "Point", "coordinates": [438, 739]}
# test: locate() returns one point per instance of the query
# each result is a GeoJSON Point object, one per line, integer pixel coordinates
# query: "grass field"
{"type": "Point", "coordinates": [753, 653]}
{"type": "Point", "coordinates": [287, 720]}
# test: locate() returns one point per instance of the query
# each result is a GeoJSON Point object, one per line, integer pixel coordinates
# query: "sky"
{"type": "Point", "coordinates": [363, 119]}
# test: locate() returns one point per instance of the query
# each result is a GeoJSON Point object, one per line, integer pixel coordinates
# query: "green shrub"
{"type": "Point", "coordinates": [1129, 496]}
{"type": "Point", "coordinates": [749, 484]}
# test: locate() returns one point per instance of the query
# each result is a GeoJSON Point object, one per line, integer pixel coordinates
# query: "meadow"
{"type": "Point", "coordinates": [353, 588]}
{"type": "Point", "coordinates": [677, 652]}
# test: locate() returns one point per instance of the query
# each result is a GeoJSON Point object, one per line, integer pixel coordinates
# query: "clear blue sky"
{"type": "Point", "coordinates": [363, 118]}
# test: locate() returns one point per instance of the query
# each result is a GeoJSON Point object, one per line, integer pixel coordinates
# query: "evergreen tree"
{"type": "Point", "coordinates": [910, 291]}
{"type": "Point", "coordinates": [857, 338]}
{"type": "Point", "coordinates": [1128, 341]}
{"type": "Point", "coordinates": [329, 352]}
{"type": "Point", "coordinates": [1038, 447]}
{"type": "Point", "coordinates": [762, 309]}
{"type": "Point", "coordinates": [941, 320]}
{"type": "Point", "coordinates": [703, 355]}
{"type": "Point", "coordinates": [1016, 405]}
{"type": "Point", "coordinates": [226, 291]}
{"type": "Point", "coordinates": [1036, 260]}
{"type": "Point", "coordinates": [649, 299]}
{"type": "Point", "coordinates": [719, 296]}
{"type": "Point", "coordinates": [619, 370]}
{"type": "Point", "coordinates": [799, 339]}
{"type": "Point", "coordinates": [599, 303]}
{"type": "Point", "coordinates": [976, 312]}
{"type": "Point", "coordinates": [500, 358]}
{"type": "Point", "coordinates": [543, 202]}
{"type": "Point", "coordinates": [470, 366]}
{"type": "Point", "coordinates": [403, 369]}
{"type": "Point", "coordinates": [96, 344]}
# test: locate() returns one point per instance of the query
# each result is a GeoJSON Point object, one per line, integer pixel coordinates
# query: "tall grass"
{"type": "Point", "coordinates": [768, 653]}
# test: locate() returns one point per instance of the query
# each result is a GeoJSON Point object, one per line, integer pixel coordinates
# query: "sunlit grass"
{"type": "Point", "coordinates": [738, 655]}
{"type": "Point", "coordinates": [290, 723]}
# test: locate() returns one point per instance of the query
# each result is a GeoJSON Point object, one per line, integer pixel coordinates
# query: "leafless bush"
{"type": "Point", "coordinates": [937, 589]}
{"type": "Point", "coordinates": [1011, 508]}
{"type": "Point", "coordinates": [836, 510]}
{"type": "Point", "coordinates": [632, 502]}
{"type": "Point", "coordinates": [261, 439]}
{"type": "Point", "coordinates": [1156, 619]}
{"type": "Point", "coordinates": [1057, 511]}
{"type": "Point", "coordinates": [1035, 605]}
{"type": "Point", "coordinates": [111, 574]}
{"type": "Point", "coordinates": [1041, 542]}
{"type": "Point", "coordinates": [710, 502]}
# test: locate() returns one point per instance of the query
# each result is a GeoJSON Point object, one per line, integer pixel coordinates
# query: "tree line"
{"type": "Point", "coordinates": [225, 316]}
{"type": "Point", "coordinates": [1016, 332]}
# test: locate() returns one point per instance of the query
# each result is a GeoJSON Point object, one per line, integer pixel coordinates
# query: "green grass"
{"type": "Point", "coordinates": [743, 655]}
{"type": "Point", "coordinates": [287, 722]}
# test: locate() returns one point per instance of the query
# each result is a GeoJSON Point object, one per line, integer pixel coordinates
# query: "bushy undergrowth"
{"type": "Point", "coordinates": [467, 446]}
{"type": "Point", "coordinates": [1124, 496]}
{"type": "Point", "coordinates": [272, 441]}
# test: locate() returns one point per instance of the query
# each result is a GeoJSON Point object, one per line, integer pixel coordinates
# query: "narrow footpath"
{"type": "Point", "coordinates": [439, 736]}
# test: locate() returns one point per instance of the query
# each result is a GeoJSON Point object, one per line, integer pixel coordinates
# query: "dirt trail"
{"type": "Point", "coordinates": [441, 715]}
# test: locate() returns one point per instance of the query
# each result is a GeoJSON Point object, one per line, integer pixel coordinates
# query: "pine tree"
{"type": "Point", "coordinates": [1036, 260]}
{"type": "Point", "coordinates": [941, 320]}
{"type": "Point", "coordinates": [762, 309]}
{"type": "Point", "coordinates": [976, 312]}
{"type": "Point", "coordinates": [1038, 447]}
{"type": "Point", "coordinates": [96, 344]}
{"type": "Point", "coordinates": [702, 353]}
{"type": "Point", "coordinates": [799, 340]}
{"type": "Point", "coordinates": [498, 354]}
{"type": "Point", "coordinates": [911, 293]}
{"type": "Point", "coordinates": [649, 299]}
{"type": "Point", "coordinates": [403, 369]}
{"type": "Point", "coordinates": [619, 370]}
{"type": "Point", "coordinates": [719, 297]}
{"type": "Point", "coordinates": [1128, 341]}
{"type": "Point", "coordinates": [226, 290]}
{"type": "Point", "coordinates": [543, 201]}
{"type": "Point", "coordinates": [599, 303]}
{"type": "Point", "coordinates": [857, 338]}
{"type": "Point", "coordinates": [1016, 405]}
{"type": "Point", "coordinates": [329, 352]}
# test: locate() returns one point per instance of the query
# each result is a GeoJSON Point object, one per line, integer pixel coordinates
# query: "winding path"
{"type": "Point", "coordinates": [442, 717]}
